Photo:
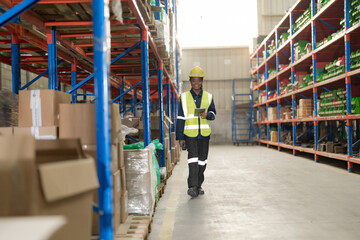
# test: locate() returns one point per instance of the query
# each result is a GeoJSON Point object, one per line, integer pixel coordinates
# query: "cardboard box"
{"type": "Point", "coordinates": [38, 132]}
{"type": "Point", "coordinates": [167, 144]}
{"type": "Point", "coordinates": [78, 121]}
{"type": "Point", "coordinates": [91, 150]}
{"type": "Point", "coordinates": [124, 211]}
{"type": "Point", "coordinates": [306, 103]}
{"type": "Point", "coordinates": [272, 113]}
{"type": "Point", "coordinates": [123, 180]}
{"type": "Point", "coordinates": [340, 149]}
{"type": "Point", "coordinates": [116, 204]}
{"type": "Point", "coordinates": [40, 107]}
{"type": "Point", "coordinates": [173, 139]}
{"type": "Point", "coordinates": [8, 131]}
{"type": "Point", "coordinates": [132, 122]}
{"type": "Point", "coordinates": [330, 147]}
{"type": "Point", "coordinates": [55, 179]}
{"type": "Point", "coordinates": [274, 136]}
{"type": "Point", "coordinates": [120, 146]}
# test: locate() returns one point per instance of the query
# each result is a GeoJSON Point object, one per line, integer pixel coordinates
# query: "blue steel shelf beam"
{"type": "Point", "coordinates": [168, 95]}
{"type": "Point", "coordinates": [16, 11]}
{"type": "Point", "coordinates": [145, 85]}
{"type": "Point", "coordinates": [161, 113]}
{"type": "Point", "coordinates": [348, 83]}
{"type": "Point", "coordinates": [52, 58]}
{"type": "Point", "coordinates": [38, 77]}
{"type": "Point", "coordinates": [83, 82]}
{"type": "Point", "coordinates": [73, 80]}
{"type": "Point", "coordinates": [101, 31]}
{"type": "Point", "coordinates": [15, 63]}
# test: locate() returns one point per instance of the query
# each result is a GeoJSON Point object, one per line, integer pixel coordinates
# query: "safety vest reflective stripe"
{"type": "Point", "coordinates": [203, 126]}
{"type": "Point", "coordinates": [179, 117]}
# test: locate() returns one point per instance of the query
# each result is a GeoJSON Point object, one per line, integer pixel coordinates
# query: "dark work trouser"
{"type": "Point", "coordinates": [197, 159]}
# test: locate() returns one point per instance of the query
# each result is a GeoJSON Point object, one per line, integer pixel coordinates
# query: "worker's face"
{"type": "Point", "coordinates": [196, 82]}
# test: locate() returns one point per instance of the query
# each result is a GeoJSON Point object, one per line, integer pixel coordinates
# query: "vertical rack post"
{"type": "Point", "coordinates": [52, 57]}
{"type": "Point", "coordinates": [145, 85]}
{"type": "Point", "coordinates": [133, 102]}
{"type": "Point", "coordinates": [278, 86]}
{"type": "Point", "coordinates": [157, 14]}
{"type": "Point", "coordinates": [348, 82]}
{"type": "Point", "coordinates": [15, 63]}
{"type": "Point", "coordinates": [266, 75]}
{"type": "Point", "coordinates": [161, 113]}
{"type": "Point", "coordinates": [293, 95]}
{"type": "Point", "coordinates": [168, 93]}
{"type": "Point", "coordinates": [84, 93]}
{"type": "Point", "coordinates": [102, 110]}
{"type": "Point", "coordinates": [73, 80]}
{"type": "Point", "coordinates": [315, 94]}
{"type": "Point", "coordinates": [173, 110]}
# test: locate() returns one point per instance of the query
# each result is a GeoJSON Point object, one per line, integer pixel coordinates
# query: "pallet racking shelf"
{"type": "Point", "coordinates": [82, 44]}
{"type": "Point", "coordinates": [324, 28]}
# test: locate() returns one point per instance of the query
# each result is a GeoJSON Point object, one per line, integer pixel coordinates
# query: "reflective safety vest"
{"type": "Point", "coordinates": [193, 123]}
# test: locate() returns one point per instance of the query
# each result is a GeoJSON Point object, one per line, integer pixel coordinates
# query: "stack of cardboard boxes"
{"type": "Point", "coordinates": [48, 177]}
{"type": "Point", "coordinates": [78, 121]}
{"type": "Point", "coordinates": [305, 108]}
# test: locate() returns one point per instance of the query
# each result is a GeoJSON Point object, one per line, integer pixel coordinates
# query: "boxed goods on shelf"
{"type": "Point", "coordinates": [8, 109]}
{"type": "Point", "coordinates": [303, 19]}
{"type": "Point", "coordinates": [302, 48]}
{"type": "Point", "coordinates": [354, 14]}
{"type": "Point", "coordinates": [333, 103]}
{"type": "Point", "coordinates": [274, 136]}
{"type": "Point", "coordinates": [322, 3]}
{"type": "Point", "coordinates": [284, 37]}
{"type": "Point", "coordinates": [272, 73]}
{"type": "Point", "coordinates": [305, 108]}
{"type": "Point", "coordinates": [40, 107]}
{"type": "Point", "coordinates": [285, 112]}
{"type": "Point", "coordinates": [55, 178]}
{"type": "Point", "coordinates": [116, 190]}
{"type": "Point", "coordinates": [8, 131]}
{"type": "Point", "coordinates": [334, 69]}
{"type": "Point", "coordinates": [78, 121]}
{"type": "Point", "coordinates": [49, 132]}
{"type": "Point", "coordinates": [355, 60]}
{"type": "Point", "coordinates": [272, 113]}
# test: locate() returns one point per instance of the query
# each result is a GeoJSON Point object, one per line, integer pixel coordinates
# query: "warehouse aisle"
{"type": "Point", "coordinates": [256, 193]}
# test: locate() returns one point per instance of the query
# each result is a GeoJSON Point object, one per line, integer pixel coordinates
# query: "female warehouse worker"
{"type": "Point", "coordinates": [193, 130]}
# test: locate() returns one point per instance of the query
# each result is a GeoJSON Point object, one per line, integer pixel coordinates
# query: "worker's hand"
{"type": "Point", "coordinates": [203, 115]}
{"type": "Point", "coordinates": [181, 142]}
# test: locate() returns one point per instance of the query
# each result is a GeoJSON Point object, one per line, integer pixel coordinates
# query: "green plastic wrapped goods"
{"type": "Point", "coordinates": [140, 145]}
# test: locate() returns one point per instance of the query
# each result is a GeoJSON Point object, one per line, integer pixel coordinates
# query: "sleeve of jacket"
{"type": "Point", "coordinates": [211, 114]}
{"type": "Point", "coordinates": [180, 123]}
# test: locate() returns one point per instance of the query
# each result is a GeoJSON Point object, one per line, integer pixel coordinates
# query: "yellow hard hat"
{"type": "Point", "coordinates": [197, 72]}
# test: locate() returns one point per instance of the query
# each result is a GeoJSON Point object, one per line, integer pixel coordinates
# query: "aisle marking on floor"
{"type": "Point", "coordinates": [167, 228]}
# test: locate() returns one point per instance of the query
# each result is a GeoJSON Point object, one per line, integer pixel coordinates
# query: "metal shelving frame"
{"type": "Point", "coordinates": [312, 31]}
{"type": "Point", "coordinates": [107, 84]}
{"type": "Point", "coordinates": [242, 116]}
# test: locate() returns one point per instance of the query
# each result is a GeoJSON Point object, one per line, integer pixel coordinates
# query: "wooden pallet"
{"type": "Point", "coordinates": [135, 228]}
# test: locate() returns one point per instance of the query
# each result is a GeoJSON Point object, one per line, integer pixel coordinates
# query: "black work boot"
{"type": "Point", "coordinates": [201, 191]}
{"type": "Point", "coordinates": [193, 192]}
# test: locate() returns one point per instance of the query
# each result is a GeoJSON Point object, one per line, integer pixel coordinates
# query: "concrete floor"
{"type": "Point", "coordinates": [259, 193]}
